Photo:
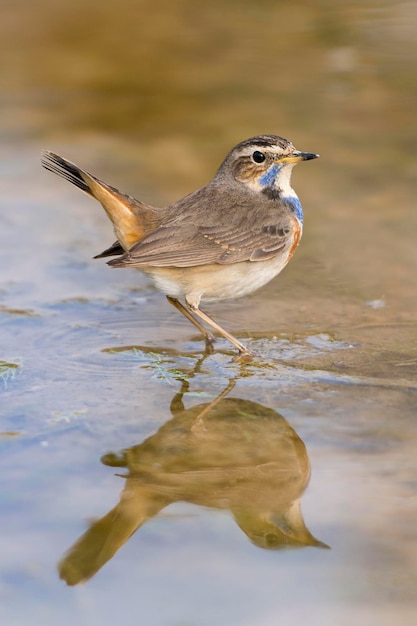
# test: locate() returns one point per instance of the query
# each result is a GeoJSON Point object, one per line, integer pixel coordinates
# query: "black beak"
{"type": "Point", "coordinates": [305, 156]}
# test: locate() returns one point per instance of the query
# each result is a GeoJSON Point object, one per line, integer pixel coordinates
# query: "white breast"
{"type": "Point", "coordinates": [215, 282]}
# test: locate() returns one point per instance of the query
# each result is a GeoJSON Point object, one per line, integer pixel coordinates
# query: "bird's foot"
{"type": "Point", "coordinates": [243, 356]}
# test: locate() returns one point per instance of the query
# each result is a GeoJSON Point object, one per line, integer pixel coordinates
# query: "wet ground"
{"type": "Point", "coordinates": [184, 489]}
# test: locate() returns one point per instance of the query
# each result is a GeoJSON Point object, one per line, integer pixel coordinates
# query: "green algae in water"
{"type": "Point", "coordinates": [9, 371]}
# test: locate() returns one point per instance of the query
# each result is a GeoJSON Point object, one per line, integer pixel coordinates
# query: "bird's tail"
{"type": "Point", "coordinates": [107, 535]}
{"type": "Point", "coordinates": [131, 218]}
{"type": "Point", "coordinates": [75, 175]}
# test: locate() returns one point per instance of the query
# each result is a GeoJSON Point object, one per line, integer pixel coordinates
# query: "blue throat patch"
{"type": "Point", "coordinates": [295, 204]}
{"type": "Point", "coordinates": [268, 179]}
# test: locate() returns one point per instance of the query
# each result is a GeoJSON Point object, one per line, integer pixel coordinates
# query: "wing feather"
{"type": "Point", "coordinates": [195, 233]}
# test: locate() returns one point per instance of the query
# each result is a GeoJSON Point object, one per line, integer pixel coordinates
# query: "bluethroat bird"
{"type": "Point", "coordinates": [224, 240]}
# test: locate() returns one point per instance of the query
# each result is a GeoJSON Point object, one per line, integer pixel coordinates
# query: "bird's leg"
{"type": "Point", "coordinates": [243, 350]}
{"type": "Point", "coordinates": [209, 337]}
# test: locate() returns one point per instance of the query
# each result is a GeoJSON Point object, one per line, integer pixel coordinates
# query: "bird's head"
{"type": "Point", "coordinates": [264, 164]}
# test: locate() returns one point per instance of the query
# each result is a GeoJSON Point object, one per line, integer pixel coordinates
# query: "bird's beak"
{"type": "Point", "coordinates": [298, 156]}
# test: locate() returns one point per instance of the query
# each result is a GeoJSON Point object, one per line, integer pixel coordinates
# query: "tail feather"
{"type": "Point", "coordinates": [56, 164]}
{"type": "Point", "coordinates": [114, 250]}
{"type": "Point", "coordinates": [131, 218]}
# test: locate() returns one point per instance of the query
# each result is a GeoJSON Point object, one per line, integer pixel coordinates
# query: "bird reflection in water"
{"type": "Point", "coordinates": [229, 454]}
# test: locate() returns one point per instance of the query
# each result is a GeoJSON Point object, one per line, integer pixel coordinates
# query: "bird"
{"type": "Point", "coordinates": [224, 240]}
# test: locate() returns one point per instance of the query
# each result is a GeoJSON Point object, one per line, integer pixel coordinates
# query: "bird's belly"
{"type": "Point", "coordinates": [215, 282]}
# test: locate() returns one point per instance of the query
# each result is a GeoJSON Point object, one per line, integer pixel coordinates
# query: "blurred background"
{"type": "Point", "coordinates": [150, 95]}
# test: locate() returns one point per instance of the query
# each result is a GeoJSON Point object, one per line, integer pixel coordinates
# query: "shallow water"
{"type": "Point", "coordinates": [186, 490]}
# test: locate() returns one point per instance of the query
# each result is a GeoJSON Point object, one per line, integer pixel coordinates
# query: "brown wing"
{"type": "Point", "coordinates": [242, 233]}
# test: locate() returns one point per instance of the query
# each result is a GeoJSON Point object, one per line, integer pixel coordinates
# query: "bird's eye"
{"type": "Point", "coordinates": [258, 157]}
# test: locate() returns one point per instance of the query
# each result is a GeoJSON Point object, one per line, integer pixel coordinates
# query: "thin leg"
{"type": "Point", "coordinates": [199, 425]}
{"type": "Point", "coordinates": [207, 335]}
{"type": "Point", "coordinates": [243, 350]}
